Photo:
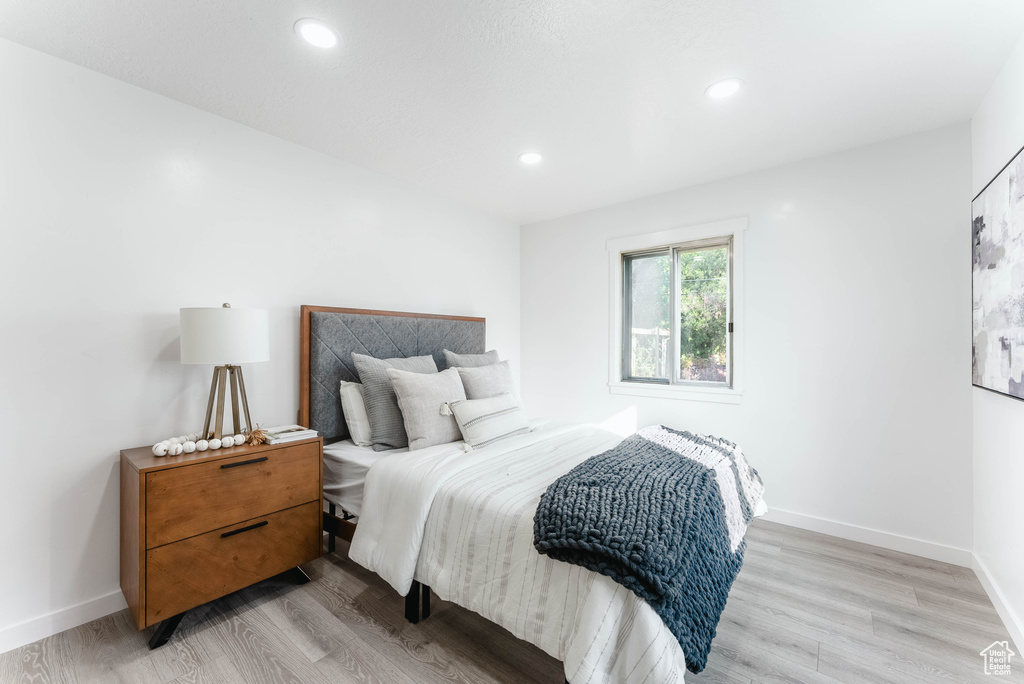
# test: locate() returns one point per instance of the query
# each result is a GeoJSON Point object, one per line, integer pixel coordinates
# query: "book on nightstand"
{"type": "Point", "coordinates": [288, 433]}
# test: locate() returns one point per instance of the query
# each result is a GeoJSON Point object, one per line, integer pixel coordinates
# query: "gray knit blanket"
{"type": "Point", "coordinates": [663, 514]}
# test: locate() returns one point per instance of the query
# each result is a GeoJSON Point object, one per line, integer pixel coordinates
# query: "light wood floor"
{"type": "Point", "coordinates": [806, 608]}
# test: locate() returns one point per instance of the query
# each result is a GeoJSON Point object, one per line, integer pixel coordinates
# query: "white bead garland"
{"type": "Point", "coordinates": [190, 443]}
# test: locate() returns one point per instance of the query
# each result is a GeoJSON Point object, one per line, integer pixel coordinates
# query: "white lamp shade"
{"type": "Point", "coordinates": [222, 336]}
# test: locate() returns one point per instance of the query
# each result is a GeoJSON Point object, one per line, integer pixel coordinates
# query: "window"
{"type": "Point", "coordinates": [676, 314]}
{"type": "Point", "coordinates": [676, 308]}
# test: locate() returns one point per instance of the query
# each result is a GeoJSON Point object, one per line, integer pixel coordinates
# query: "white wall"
{"type": "Point", "coordinates": [857, 398]}
{"type": "Point", "coordinates": [997, 133]}
{"type": "Point", "coordinates": [117, 207]}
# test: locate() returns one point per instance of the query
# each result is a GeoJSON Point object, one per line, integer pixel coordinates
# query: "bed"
{"type": "Point", "coordinates": [460, 522]}
{"type": "Point", "coordinates": [345, 469]}
{"type": "Point", "coordinates": [327, 338]}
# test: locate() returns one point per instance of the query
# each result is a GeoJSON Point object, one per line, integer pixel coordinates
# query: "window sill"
{"type": "Point", "coordinates": [717, 395]}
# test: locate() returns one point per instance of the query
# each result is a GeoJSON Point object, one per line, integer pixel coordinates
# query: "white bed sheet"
{"type": "Point", "coordinates": [462, 523]}
{"type": "Point", "coordinates": [478, 552]}
{"type": "Point", "coordinates": [345, 469]}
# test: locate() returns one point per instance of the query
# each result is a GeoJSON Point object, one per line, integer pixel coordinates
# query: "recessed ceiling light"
{"type": "Point", "coordinates": [530, 157]}
{"type": "Point", "coordinates": [725, 88]}
{"type": "Point", "coordinates": [315, 32]}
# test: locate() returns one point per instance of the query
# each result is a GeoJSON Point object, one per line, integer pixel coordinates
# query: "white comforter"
{"type": "Point", "coordinates": [462, 523]}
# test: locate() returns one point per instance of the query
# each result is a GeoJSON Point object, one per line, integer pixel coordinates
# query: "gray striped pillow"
{"type": "Point", "coordinates": [485, 421]}
{"type": "Point", "coordinates": [387, 427]}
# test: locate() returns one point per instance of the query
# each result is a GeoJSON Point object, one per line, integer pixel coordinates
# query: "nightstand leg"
{"type": "Point", "coordinates": [294, 575]}
{"type": "Point", "coordinates": [164, 630]}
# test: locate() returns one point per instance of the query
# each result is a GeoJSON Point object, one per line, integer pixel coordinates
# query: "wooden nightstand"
{"type": "Point", "coordinates": [199, 526]}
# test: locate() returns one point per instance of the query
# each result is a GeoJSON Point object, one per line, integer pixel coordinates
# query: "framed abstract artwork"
{"type": "Point", "coordinates": [997, 281]}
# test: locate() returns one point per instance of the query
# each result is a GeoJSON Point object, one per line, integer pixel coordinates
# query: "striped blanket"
{"type": "Point", "coordinates": [462, 523]}
{"type": "Point", "coordinates": [663, 514]}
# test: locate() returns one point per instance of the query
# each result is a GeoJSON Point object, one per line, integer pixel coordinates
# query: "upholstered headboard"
{"type": "Point", "coordinates": [328, 336]}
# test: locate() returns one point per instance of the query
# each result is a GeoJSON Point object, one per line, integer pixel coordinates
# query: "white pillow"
{"type": "Point", "coordinates": [420, 396]}
{"type": "Point", "coordinates": [488, 381]}
{"type": "Point", "coordinates": [485, 421]}
{"type": "Point", "coordinates": [354, 410]}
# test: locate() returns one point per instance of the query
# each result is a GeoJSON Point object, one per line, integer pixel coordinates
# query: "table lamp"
{"type": "Point", "coordinates": [225, 338]}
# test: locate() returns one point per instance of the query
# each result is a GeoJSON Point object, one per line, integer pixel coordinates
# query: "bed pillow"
{"type": "Point", "coordinates": [354, 411]}
{"type": "Point", "coordinates": [420, 397]}
{"type": "Point", "coordinates": [485, 421]}
{"type": "Point", "coordinates": [454, 360]}
{"type": "Point", "coordinates": [387, 429]}
{"type": "Point", "coordinates": [483, 382]}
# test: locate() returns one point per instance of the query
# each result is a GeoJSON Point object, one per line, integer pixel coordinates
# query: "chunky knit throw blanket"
{"type": "Point", "coordinates": [663, 514]}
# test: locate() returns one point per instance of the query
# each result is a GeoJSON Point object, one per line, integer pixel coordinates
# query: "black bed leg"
{"type": "Point", "coordinates": [330, 535]}
{"type": "Point", "coordinates": [426, 601]}
{"type": "Point", "coordinates": [294, 575]}
{"type": "Point", "coordinates": [164, 630]}
{"type": "Point", "coordinates": [412, 603]}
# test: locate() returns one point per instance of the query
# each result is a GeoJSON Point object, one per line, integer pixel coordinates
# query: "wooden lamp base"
{"type": "Point", "coordinates": [217, 391]}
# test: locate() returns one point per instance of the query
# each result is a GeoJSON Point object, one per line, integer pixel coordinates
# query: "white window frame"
{"type": "Point", "coordinates": [728, 229]}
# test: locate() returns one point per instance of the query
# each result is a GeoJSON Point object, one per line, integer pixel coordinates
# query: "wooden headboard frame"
{"type": "Point", "coordinates": [304, 343]}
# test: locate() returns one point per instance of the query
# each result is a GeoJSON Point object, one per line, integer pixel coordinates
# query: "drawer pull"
{"type": "Point", "coordinates": [261, 459]}
{"type": "Point", "coordinates": [240, 530]}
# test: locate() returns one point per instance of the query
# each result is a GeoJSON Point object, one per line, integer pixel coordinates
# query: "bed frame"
{"type": "Point", "coordinates": [327, 338]}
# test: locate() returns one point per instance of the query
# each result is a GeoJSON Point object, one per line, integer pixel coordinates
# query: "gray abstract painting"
{"type": "Point", "coordinates": [998, 282]}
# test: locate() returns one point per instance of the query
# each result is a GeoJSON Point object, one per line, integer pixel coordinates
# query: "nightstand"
{"type": "Point", "coordinates": [199, 526]}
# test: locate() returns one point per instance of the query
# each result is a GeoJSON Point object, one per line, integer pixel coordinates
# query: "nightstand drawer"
{"type": "Point", "coordinates": [190, 500]}
{"type": "Point", "coordinates": [191, 572]}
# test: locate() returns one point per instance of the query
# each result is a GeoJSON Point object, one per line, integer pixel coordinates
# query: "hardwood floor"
{"type": "Point", "coordinates": [806, 608]}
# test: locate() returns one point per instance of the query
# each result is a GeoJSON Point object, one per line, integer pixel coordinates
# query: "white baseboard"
{"type": "Point", "coordinates": [866, 535]}
{"type": "Point", "coordinates": [53, 623]}
{"type": "Point", "coordinates": [1013, 623]}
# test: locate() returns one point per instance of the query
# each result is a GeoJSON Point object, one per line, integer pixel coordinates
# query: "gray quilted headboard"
{"type": "Point", "coordinates": [329, 336]}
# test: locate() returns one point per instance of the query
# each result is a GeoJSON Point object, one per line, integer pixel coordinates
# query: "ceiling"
{"type": "Point", "coordinates": [444, 94]}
